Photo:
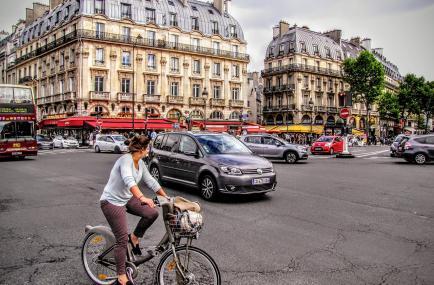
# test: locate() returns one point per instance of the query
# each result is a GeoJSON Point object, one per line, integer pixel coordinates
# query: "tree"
{"type": "Point", "coordinates": [426, 102]}
{"type": "Point", "coordinates": [365, 75]}
{"type": "Point", "coordinates": [388, 106]}
{"type": "Point", "coordinates": [409, 96]}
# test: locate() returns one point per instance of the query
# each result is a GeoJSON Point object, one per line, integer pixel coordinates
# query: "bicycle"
{"type": "Point", "coordinates": [180, 262]}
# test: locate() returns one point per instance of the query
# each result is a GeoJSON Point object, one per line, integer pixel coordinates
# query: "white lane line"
{"type": "Point", "coordinates": [372, 153]}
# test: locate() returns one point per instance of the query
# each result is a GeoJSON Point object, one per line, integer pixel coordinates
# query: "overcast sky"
{"type": "Point", "coordinates": [404, 28]}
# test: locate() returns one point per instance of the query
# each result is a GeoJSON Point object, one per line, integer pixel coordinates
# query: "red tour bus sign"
{"type": "Point", "coordinates": [344, 113]}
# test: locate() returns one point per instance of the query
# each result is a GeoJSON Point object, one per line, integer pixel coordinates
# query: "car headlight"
{"type": "Point", "coordinates": [301, 148]}
{"type": "Point", "coordinates": [231, 170]}
{"type": "Point", "coordinates": [328, 144]}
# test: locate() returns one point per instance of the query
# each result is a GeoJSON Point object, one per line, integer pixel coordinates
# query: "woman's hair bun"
{"type": "Point", "coordinates": [127, 142]}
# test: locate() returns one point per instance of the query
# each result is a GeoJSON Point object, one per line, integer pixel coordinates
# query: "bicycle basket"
{"type": "Point", "coordinates": [186, 223]}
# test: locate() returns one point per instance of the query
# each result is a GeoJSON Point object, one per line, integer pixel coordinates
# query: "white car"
{"type": "Point", "coordinates": [113, 143]}
{"type": "Point", "coordinates": [62, 142]}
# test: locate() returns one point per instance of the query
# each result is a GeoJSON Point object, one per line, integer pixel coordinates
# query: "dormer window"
{"type": "Point", "coordinates": [339, 55]}
{"type": "Point", "coordinates": [303, 46]}
{"type": "Point", "coordinates": [215, 27]}
{"type": "Point", "coordinates": [150, 15]}
{"type": "Point", "coordinates": [328, 54]}
{"type": "Point", "coordinates": [99, 6]}
{"type": "Point", "coordinates": [173, 20]}
{"type": "Point", "coordinates": [171, 3]}
{"type": "Point", "coordinates": [233, 31]}
{"type": "Point", "coordinates": [211, 12]}
{"type": "Point", "coordinates": [270, 52]}
{"type": "Point", "coordinates": [291, 46]}
{"type": "Point", "coordinates": [195, 24]}
{"type": "Point", "coordinates": [125, 10]}
{"type": "Point", "coordinates": [315, 50]}
{"type": "Point", "coordinates": [194, 8]}
{"type": "Point", "coordinates": [281, 49]}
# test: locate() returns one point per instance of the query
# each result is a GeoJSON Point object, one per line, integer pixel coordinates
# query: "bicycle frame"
{"type": "Point", "coordinates": [163, 245]}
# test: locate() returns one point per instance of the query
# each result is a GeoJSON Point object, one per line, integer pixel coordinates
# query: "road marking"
{"type": "Point", "coordinates": [372, 153]}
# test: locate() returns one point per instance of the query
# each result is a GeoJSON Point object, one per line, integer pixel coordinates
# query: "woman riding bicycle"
{"type": "Point", "coordinates": [121, 195]}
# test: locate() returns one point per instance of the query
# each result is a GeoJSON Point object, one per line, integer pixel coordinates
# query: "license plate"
{"type": "Point", "coordinates": [258, 181]}
{"type": "Point", "coordinates": [17, 153]}
{"type": "Point", "coordinates": [318, 148]}
{"type": "Point", "coordinates": [16, 145]}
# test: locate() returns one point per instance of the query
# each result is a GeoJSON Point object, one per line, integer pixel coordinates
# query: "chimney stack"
{"type": "Point", "coordinates": [39, 10]}
{"type": "Point", "coordinates": [219, 5]}
{"type": "Point", "coordinates": [366, 43]}
{"type": "Point", "coordinates": [283, 28]}
{"type": "Point", "coordinates": [378, 50]}
{"type": "Point", "coordinates": [276, 31]}
{"type": "Point", "coordinates": [335, 35]}
{"type": "Point", "coordinates": [29, 16]}
{"type": "Point", "coordinates": [355, 41]}
{"type": "Point", "coordinates": [54, 3]}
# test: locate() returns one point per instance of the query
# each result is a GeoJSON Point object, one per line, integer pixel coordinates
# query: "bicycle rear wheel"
{"type": "Point", "coordinates": [197, 265]}
{"type": "Point", "coordinates": [93, 246]}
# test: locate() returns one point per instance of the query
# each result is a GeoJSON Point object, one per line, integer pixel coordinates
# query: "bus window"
{"type": "Point", "coordinates": [6, 95]}
{"type": "Point", "coordinates": [22, 95]}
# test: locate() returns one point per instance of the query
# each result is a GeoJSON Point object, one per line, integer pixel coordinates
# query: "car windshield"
{"type": "Point", "coordinates": [223, 144]}
{"type": "Point", "coordinates": [70, 138]}
{"type": "Point", "coordinates": [325, 139]}
{"type": "Point", "coordinates": [119, 138]}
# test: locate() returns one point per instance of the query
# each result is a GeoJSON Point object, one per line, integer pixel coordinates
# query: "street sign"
{"type": "Point", "coordinates": [175, 125]}
{"type": "Point", "coordinates": [344, 113]}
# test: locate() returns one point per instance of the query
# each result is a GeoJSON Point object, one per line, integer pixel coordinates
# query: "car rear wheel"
{"type": "Point", "coordinates": [155, 172]}
{"type": "Point", "coordinates": [61, 146]}
{"type": "Point", "coordinates": [208, 188]}
{"type": "Point", "coordinates": [420, 158]}
{"type": "Point", "coordinates": [117, 149]}
{"type": "Point", "coordinates": [290, 157]}
{"type": "Point", "coordinates": [332, 151]}
{"type": "Point", "coordinates": [97, 149]}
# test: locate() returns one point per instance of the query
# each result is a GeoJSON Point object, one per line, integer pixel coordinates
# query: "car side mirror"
{"type": "Point", "coordinates": [192, 153]}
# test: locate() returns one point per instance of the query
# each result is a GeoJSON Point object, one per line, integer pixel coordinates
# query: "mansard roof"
{"type": "Point", "coordinates": [297, 36]}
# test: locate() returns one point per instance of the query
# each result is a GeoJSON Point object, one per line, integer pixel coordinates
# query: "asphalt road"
{"type": "Point", "coordinates": [368, 220]}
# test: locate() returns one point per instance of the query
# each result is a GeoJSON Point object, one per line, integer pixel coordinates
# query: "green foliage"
{"type": "Point", "coordinates": [365, 75]}
{"type": "Point", "coordinates": [409, 94]}
{"type": "Point", "coordinates": [388, 106]}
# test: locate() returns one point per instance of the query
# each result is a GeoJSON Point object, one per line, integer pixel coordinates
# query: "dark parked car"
{"type": "Point", "coordinates": [272, 147]}
{"type": "Point", "coordinates": [44, 142]}
{"type": "Point", "coordinates": [417, 149]}
{"type": "Point", "coordinates": [213, 163]}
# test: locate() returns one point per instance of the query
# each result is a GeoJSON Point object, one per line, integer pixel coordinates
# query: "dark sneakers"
{"type": "Point", "coordinates": [136, 248]}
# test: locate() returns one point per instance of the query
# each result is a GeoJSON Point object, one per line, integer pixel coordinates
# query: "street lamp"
{"type": "Point", "coordinates": [205, 97]}
{"type": "Point", "coordinates": [311, 110]}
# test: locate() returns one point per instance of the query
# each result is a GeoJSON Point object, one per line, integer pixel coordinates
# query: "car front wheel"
{"type": "Point", "coordinates": [208, 188]}
{"type": "Point", "coordinates": [97, 149]}
{"type": "Point", "coordinates": [332, 151]}
{"type": "Point", "coordinates": [291, 157]}
{"type": "Point", "coordinates": [420, 158]}
{"type": "Point", "coordinates": [155, 172]}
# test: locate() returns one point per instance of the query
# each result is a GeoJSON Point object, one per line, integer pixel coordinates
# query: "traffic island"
{"type": "Point", "coordinates": [345, 155]}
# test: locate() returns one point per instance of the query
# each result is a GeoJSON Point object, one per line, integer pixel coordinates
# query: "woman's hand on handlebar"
{"type": "Point", "coordinates": [147, 201]}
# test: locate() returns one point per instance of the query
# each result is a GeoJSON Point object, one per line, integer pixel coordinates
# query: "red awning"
{"type": "Point", "coordinates": [74, 122]}
{"type": "Point", "coordinates": [117, 125]}
{"type": "Point", "coordinates": [49, 122]}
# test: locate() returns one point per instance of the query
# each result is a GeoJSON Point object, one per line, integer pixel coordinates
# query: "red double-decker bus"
{"type": "Point", "coordinates": [17, 121]}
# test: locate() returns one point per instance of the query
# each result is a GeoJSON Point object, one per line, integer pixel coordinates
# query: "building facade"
{"type": "Point", "coordinates": [304, 83]}
{"type": "Point", "coordinates": [255, 97]}
{"type": "Point", "coordinates": [124, 58]}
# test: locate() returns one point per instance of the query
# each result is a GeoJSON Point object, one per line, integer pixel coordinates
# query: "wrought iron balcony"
{"type": "Point", "coordinates": [301, 67]}
{"type": "Point", "coordinates": [196, 101]}
{"type": "Point", "coordinates": [100, 95]}
{"type": "Point", "coordinates": [306, 108]}
{"type": "Point", "coordinates": [332, 110]}
{"type": "Point", "coordinates": [281, 88]}
{"type": "Point", "coordinates": [125, 97]}
{"type": "Point", "coordinates": [321, 109]}
{"type": "Point", "coordinates": [151, 98]}
{"type": "Point", "coordinates": [217, 102]}
{"type": "Point", "coordinates": [175, 99]}
{"type": "Point", "coordinates": [236, 103]}
{"type": "Point", "coordinates": [57, 98]}
{"type": "Point", "coordinates": [139, 41]}
{"type": "Point", "coordinates": [69, 96]}
{"type": "Point", "coordinates": [25, 79]}
{"type": "Point", "coordinates": [277, 108]}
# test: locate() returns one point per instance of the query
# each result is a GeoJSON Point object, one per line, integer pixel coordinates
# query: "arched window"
{"type": "Point", "coordinates": [331, 121]}
{"type": "Point", "coordinates": [196, 114]}
{"type": "Point", "coordinates": [279, 119]}
{"type": "Point", "coordinates": [98, 109]}
{"type": "Point", "coordinates": [305, 120]}
{"type": "Point", "coordinates": [234, 116]}
{"type": "Point", "coordinates": [216, 115]}
{"type": "Point", "coordinates": [269, 120]}
{"type": "Point", "coordinates": [289, 119]}
{"type": "Point", "coordinates": [126, 109]}
{"type": "Point", "coordinates": [319, 120]}
{"type": "Point", "coordinates": [174, 114]}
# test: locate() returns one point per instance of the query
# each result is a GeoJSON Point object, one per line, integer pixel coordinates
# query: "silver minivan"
{"type": "Point", "coordinates": [113, 143]}
{"type": "Point", "coordinates": [276, 148]}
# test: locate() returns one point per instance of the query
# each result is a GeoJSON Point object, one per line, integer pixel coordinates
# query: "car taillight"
{"type": "Point", "coordinates": [408, 146]}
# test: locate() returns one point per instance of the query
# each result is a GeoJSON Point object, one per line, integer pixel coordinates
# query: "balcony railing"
{"type": "Point", "coordinates": [139, 41]}
{"type": "Point", "coordinates": [321, 109]}
{"type": "Point", "coordinates": [99, 95]}
{"type": "Point", "coordinates": [175, 99]}
{"type": "Point", "coordinates": [25, 79]}
{"type": "Point", "coordinates": [99, 11]}
{"type": "Point", "coordinates": [332, 110]}
{"type": "Point", "coordinates": [306, 108]}
{"type": "Point", "coordinates": [281, 88]}
{"type": "Point", "coordinates": [69, 96]}
{"type": "Point", "coordinates": [236, 103]}
{"type": "Point", "coordinates": [301, 67]}
{"type": "Point", "coordinates": [125, 97]}
{"type": "Point", "coordinates": [151, 98]}
{"type": "Point", "coordinates": [217, 102]}
{"type": "Point", "coordinates": [57, 98]}
{"type": "Point", "coordinates": [277, 108]}
{"type": "Point", "coordinates": [196, 101]}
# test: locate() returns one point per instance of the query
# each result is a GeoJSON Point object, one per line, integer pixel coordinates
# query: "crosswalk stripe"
{"type": "Point", "coordinates": [372, 153]}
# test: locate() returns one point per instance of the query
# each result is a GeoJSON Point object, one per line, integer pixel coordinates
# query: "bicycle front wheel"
{"type": "Point", "coordinates": [197, 265]}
